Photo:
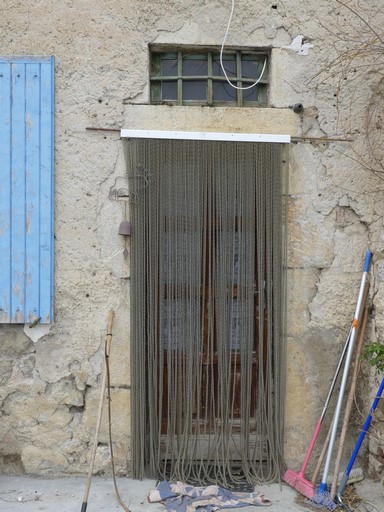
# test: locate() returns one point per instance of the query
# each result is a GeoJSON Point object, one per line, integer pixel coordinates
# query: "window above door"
{"type": "Point", "coordinates": [196, 77]}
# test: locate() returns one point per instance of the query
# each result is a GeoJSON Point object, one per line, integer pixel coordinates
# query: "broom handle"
{"type": "Point", "coordinates": [344, 480]}
{"type": "Point", "coordinates": [355, 325]}
{"type": "Point", "coordinates": [108, 339]}
{"type": "Point", "coordinates": [316, 472]}
{"type": "Point", "coordinates": [318, 425]}
{"type": "Point", "coordinates": [321, 457]}
{"type": "Point", "coordinates": [351, 395]}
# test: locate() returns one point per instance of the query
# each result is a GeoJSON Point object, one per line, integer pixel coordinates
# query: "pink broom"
{"type": "Point", "coordinates": [297, 480]}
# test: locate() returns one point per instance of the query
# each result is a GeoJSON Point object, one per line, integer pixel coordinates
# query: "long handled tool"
{"type": "Point", "coordinates": [108, 339]}
{"type": "Point", "coordinates": [360, 439]}
{"type": "Point", "coordinates": [321, 497]}
{"type": "Point", "coordinates": [298, 480]}
{"type": "Point", "coordinates": [350, 399]}
{"type": "Point", "coordinates": [320, 459]}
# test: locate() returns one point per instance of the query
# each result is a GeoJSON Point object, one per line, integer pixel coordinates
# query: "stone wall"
{"type": "Point", "coordinates": [49, 387]}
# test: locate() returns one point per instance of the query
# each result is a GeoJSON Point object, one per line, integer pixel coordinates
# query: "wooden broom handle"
{"type": "Point", "coordinates": [108, 339]}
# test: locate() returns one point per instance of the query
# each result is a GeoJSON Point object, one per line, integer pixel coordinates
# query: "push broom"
{"type": "Point", "coordinates": [295, 479]}
{"type": "Point", "coordinates": [322, 498]}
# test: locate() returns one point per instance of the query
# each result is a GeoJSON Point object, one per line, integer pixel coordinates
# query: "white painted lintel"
{"type": "Point", "coordinates": [235, 137]}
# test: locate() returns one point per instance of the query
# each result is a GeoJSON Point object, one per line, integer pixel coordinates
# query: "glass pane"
{"type": "Point", "coordinates": [222, 91]}
{"type": "Point", "coordinates": [250, 69]}
{"type": "Point", "coordinates": [195, 90]}
{"type": "Point", "coordinates": [229, 63]}
{"type": "Point", "coordinates": [169, 90]}
{"type": "Point", "coordinates": [169, 67]}
{"type": "Point", "coordinates": [195, 66]}
{"type": "Point", "coordinates": [251, 94]}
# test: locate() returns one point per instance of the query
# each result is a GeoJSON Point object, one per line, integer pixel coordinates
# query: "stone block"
{"type": "Point", "coordinates": [297, 384]}
{"type": "Point", "coordinates": [102, 459]}
{"type": "Point", "coordinates": [376, 466]}
{"type": "Point", "coordinates": [13, 341]}
{"type": "Point", "coordinates": [301, 288]}
{"type": "Point", "coordinates": [64, 392]}
{"type": "Point", "coordinates": [121, 414]}
{"type": "Point", "coordinates": [335, 301]}
{"type": "Point", "coordinates": [310, 235]}
{"type": "Point", "coordinates": [305, 170]}
{"type": "Point", "coordinates": [45, 461]}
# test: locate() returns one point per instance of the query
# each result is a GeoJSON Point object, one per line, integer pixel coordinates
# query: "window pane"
{"type": "Point", "coordinates": [250, 69]}
{"type": "Point", "coordinates": [169, 67]}
{"type": "Point", "coordinates": [195, 66]}
{"type": "Point", "coordinates": [195, 90]}
{"type": "Point", "coordinates": [229, 64]}
{"type": "Point", "coordinates": [169, 90]}
{"type": "Point", "coordinates": [251, 94]}
{"type": "Point", "coordinates": [222, 91]}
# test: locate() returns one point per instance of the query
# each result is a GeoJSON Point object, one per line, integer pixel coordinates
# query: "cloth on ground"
{"type": "Point", "coordinates": [179, 497]}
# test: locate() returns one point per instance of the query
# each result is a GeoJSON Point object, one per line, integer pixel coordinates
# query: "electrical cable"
{"type": "Point", "coordinates": [221, 57]}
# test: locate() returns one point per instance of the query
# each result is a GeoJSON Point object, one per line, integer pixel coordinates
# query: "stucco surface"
{"type": "Point", "coordinates": [49, 388]}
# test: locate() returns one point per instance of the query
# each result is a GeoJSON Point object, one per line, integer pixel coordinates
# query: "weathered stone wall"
{"type": "Point", "coordinates": [49, 389]}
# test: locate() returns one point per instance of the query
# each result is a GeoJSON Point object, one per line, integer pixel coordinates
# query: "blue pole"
{"type": "Point", "coordinates": [364, 430]}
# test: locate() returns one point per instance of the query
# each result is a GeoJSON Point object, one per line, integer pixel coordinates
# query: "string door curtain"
{"type": "Point", "coordinates": [207, 310]}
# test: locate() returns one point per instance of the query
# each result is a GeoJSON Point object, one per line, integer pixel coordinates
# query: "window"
{"type": "Point", "coordinates": [197, 78]}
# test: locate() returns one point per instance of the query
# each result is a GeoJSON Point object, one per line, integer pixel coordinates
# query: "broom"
{"type": "Point", "coordinates": [108, 339]}
{"type": "Point", "coordinates": [322, 498]}
{"type": "Point", "coordinates": [348, 407]}
{"type": "Point", "coordinates": [297, 480]}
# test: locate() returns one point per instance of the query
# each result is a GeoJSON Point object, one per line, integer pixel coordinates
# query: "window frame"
{"type": "Point", "coordinates": [156, 78]}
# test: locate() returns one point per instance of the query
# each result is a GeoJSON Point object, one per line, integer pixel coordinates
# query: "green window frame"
{"type": "Point", "coordinates": [196, 78]}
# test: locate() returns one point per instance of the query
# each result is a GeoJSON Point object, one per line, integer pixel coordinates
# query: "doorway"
{"type": "Point", "coordinates": [207, 308]}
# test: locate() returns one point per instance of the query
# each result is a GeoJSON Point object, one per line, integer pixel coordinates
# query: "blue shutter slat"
{"type": "Point", "coordinates": [32, 176]}
{"type": "Point", "coordinates": [5, 191]}
{"type": "Point", "coordinates": [26, 190]}
{"type": "Point", "coordinates": [46, 181]}
{"type": "Point", "coordinates": [18, 193]}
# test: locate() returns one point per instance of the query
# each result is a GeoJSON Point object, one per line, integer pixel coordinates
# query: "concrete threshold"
{"type": "Point", "coordinates": [29, 494]}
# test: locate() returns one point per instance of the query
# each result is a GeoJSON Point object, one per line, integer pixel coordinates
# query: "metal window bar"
{"type": "Point", "coordinates": [158, 79]}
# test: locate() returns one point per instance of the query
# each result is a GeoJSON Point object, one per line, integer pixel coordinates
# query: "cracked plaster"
{"type": "Point", "coordinates": [50, 388]}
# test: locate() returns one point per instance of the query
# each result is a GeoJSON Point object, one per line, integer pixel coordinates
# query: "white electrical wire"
{"type": "Point", "coordinates": [221, 57]}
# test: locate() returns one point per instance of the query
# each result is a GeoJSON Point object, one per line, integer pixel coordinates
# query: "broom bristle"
{"type": "Point", "coordinates": [323, 500]}
{"type": "Point", "coordinates": [299, 483]}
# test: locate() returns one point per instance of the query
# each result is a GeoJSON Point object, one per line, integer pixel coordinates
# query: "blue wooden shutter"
{"type": "Point", "coordinates": [26, 189]}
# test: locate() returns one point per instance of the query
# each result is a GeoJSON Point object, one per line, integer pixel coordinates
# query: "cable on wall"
{"type": "Point", "coordinates": [221, 57]}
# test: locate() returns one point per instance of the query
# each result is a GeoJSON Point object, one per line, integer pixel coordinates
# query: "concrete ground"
{"type": "Point", "coordinates": [26, 494]}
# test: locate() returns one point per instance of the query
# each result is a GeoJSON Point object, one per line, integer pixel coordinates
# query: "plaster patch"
{"type": "Point", "coordinates": [299, 45]}
{"type": "Point", "coordinates": [37, 332]}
